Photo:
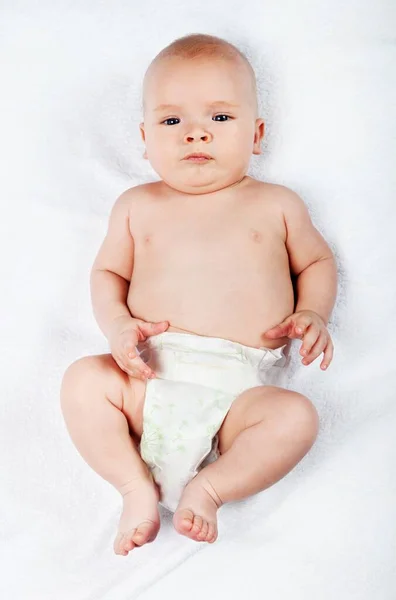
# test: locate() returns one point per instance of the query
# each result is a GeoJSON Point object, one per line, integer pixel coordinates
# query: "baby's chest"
{"type": "Point", "coordinates": [208, 242]}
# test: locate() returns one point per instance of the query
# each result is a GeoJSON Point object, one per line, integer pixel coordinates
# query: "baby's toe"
{"type": "Point", "coordinates": [127, 543]}
{"type": "Point", "coordinates": [197, 525]}
{"type": "Point", "coordinates": [118, 545]}
{"type": "Point", "coordinates": [212, 533]}
{"type": "Point", "coordinates": [144, 533]}
{"type": "Point", "coordinates": [204, 531]}
{"type": "Point", "coordinates": [183, 520]}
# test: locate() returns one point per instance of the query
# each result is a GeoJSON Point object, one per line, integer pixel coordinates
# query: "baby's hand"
{"type": "Point", "coordinates": [308, 325]}
{"type": "Point", "coordinates": [123, 339]}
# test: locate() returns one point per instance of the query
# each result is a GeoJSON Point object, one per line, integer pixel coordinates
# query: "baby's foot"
{"type": "Point", "coordinates": [140, 521]}
{"type": "Point", "coordinates": [195, 515]}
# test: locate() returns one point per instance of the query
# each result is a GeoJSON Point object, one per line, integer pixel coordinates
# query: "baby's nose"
{"type": "Point", "coordinates": [197, 136]}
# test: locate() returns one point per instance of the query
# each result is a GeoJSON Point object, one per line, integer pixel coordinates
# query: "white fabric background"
{"type": "Point", "coordinates": [69, 112]}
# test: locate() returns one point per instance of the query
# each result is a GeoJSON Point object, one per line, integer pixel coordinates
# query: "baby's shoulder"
{"type": "Point", "coordinates": [142, 191]}
{"type": "Point", "coordinates": [282, 198]}
{"type": "Point", "coordinates": [276, 191]}
{"type": "Point", "coordinates": [140, 198]}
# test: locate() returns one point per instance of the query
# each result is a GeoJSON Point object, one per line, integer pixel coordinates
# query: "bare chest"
{"type": "Point", "coordinates": [207, 239]}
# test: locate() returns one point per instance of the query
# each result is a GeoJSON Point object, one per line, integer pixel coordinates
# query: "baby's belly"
{"type": "Point", "coordinates": [239, 308]}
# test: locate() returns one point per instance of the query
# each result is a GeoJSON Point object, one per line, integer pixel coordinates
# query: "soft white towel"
{"type": "Point", "coordinates": [70, 107]}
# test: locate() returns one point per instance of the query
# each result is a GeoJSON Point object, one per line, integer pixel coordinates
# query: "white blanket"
{"type": "Point", "coordinates": [70, 108]}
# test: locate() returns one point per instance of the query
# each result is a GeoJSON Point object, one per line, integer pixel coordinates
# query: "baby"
{"type": "Point", "coordinates": [193, 286]}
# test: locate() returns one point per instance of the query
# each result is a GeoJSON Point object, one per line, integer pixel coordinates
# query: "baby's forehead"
{"type": "Point", "coordinates": [178, 81]}
{"type": "Point", "coordinates": [176, 66]}
{"type": "Point", "coordinates": [191, 75]}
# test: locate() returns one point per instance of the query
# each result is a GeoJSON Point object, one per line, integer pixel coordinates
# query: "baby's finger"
{"type": "Point", "coordinates": [123, 364]}
{"type": "Point", "coordinates": [316, 350]}
{"type": "Point", "coordinates": [301, 325]}
{"type": "Point", "coordinates": [328, 355]}
{"type": "Point", "coordinates": [139, 366]}
{"type": "Point", "coordinates": [136, 374]}
{"type": "Point", "coordinates": [310, 338]}
{"type": "Point", "coordinates": [130, 348]}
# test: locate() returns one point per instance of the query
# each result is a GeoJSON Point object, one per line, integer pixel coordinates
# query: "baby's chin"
{"type": "Point", "coordinates": [197, 182]}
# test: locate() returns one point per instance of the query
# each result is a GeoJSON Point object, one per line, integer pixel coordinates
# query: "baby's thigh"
{"type": "Point", "coordinates": [100, 376]}
{"type": "Point", "coordinates": [276, 405]}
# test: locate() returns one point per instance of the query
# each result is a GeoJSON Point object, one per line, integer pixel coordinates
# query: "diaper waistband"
{"type": "Point", "coordinates": [198, 343]}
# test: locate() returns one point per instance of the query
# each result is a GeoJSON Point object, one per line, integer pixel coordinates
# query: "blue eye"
{"type": "Point", "coordinates": [171, 119]}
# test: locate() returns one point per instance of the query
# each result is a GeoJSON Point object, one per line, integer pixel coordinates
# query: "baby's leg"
{"type": "Point", "coordinates": [267, 431]}
{"type": "Point", "coordinates": [100, 405]}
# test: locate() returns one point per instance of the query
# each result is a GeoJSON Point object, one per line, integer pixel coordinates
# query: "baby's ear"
{"type": "Point", "coordinates": [258, 135]}
{"type": "Point", "coordinates": [141, 127]}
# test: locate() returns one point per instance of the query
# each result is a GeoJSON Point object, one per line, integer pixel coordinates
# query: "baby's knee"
{"type": "Point", "coordinates": [304, 416]}
{"type": "Point", "coordinates": [81, 375]}
{"type": "Point", "coordinates": [80, 370]}
{"type": "Point", "coordinates": [91, 378]}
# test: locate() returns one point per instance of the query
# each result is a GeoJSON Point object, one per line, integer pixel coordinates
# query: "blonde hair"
{"type": "Point", "coordinates": [201, 45]}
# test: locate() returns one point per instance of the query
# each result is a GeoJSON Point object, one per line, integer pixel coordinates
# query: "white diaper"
{"type": "Point", "coordinates": [198, 378]}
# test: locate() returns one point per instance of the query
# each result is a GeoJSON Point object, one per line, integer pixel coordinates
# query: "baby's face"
{"type": "Point", "coordinates": [200, 106]}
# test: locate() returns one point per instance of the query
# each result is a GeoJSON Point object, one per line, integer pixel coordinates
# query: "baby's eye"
{"type": "Point", "coordinates": [170, 119]}
{"type": "Point", "coordinates": [226, 117]}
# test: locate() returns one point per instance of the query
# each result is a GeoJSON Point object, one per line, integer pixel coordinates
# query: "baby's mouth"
{"type": "Point", "coordinates": [199, 157]}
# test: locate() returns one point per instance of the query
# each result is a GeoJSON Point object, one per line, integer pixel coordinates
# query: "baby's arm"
{"type": "Point", "coordinates": [112, 270]}
{"type": "Point", "coordinates": [110, 279]}
{"type": "Point", "coordinates": [311, 259]}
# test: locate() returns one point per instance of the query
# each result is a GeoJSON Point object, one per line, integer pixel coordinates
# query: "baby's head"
{"type": "Point", "coordinates": [199, 95]}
